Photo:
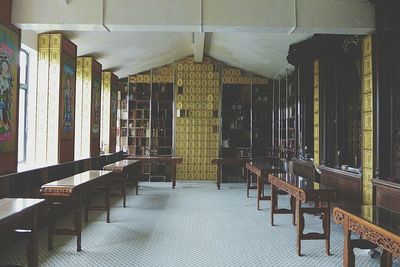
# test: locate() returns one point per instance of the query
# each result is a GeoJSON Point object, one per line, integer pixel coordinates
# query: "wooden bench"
{"type": "Point", "coordinates": [261, 170]}
{"type": "Point", "coordinates": [227, 161]}
{"type": "Point", "coordinates": [123, 169]}
{"type": "Point", "coordinates": [272, 161]}
{"type": "Point", "coordinates": [173, 161]}
{"type": "Point", "coordinates": [11, 209]}
{"type": "Point", "coordinates": [302, 190]}
{"type": "Point", "coordinates": [71, 190]}
{"type": "Point", "coordinates": [377, 227]}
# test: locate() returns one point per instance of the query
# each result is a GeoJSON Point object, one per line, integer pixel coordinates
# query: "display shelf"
{"type": "Point", "coordinates": [139, 98]}
{"type": "Point", "coordinates": [262, 96]}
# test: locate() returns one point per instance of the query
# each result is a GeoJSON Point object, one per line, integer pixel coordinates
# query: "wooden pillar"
{"type": "Point", "coordinates": [10, 44]}
{"type": "Point", "coordinates": [88, 108]}
{"type": "Point", "coordinates": [55, 111]}
{"type": "Point", "coordinates": [108, 111]}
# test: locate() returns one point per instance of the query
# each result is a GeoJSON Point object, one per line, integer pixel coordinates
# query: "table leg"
{"type": "Point", "coordinates": [219, 176]}
{"type": "Point", "coordinates": [173, 175]}
{"type": "Point", "coordinates": [327, 229]}
{"type": "Point", "coordinates": [107, 198]}
{"type": "Point", "coordinates": [259, 191]}
{"type": "Point", "coordinates": [299, 226]}
{"type": "Point", "coordinates": [87, 206]}
{"type": "Point", "coordinates": [136, 183]}
{"type": "Point", "coordinates": [123, 190]}
{"type": "Point", "coordinates": [274, 200]}
{"type": "Point", "coordinates": [50, 228]}
{"type": "Point", "coordinates": [78, 222]}
{"type": "Point", "coordinates": [33, 241]}
{"type": "Point", "coordinates": [248, 181]}
{"type": "Point", "coordinates": [386, 259]}
{"type": "Point", "coordinates": [293, 209]}
{"type": "Point", "coordinates": [348, 254]}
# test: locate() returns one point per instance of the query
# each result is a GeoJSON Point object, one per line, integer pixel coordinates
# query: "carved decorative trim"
{"type": "Point", "coordinates": [375, 237]}
{"type": "Point", "coordinates": [118, 169]}
{"type": "Point", "coordinates": [338, 216]}
{"type": "Point", "coordinates": [290, 189]}
{"type": "Point", "coordinates": [56, 191]}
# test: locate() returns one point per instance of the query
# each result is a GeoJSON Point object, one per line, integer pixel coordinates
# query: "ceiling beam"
{"type": "Point", "coordinates": [198, 46]}
{"type": "Point", "coordinates": [269, 16]}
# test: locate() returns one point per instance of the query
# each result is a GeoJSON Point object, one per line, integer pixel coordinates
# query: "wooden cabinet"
{"type": "Point", "coordinates": [150, 118]}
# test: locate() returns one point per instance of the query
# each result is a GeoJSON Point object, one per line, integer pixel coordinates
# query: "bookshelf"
{"type": "Point", "coordinates": [161, 118]}
{"type": "Point", "coordinates": [262, 106]}
{"type": "Point", "coordinates": [139, 117]}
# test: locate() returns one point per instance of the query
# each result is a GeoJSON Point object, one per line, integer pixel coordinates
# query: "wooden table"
{"type": "Point", "coordinates": [227, 161]}
{"type": "Point", "coordinates": [12, 209]}
{"type": "Point", "coordinates": [377, 226]}
{"type": "Point", "coordinates": [123, 169]}
{"type": "Point", "coordinates": [173, 161]}
{"type": "Point", "coordinates": [301, 190]}
{"type": "Point", "coordinates": [261, 170]}
{"type": "Point", "coordinates": [72, 189]}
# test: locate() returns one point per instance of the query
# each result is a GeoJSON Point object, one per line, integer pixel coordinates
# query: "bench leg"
{"type": "Point", "coordinates": [248, 181]}
{"type": "Point", "coordinates": [293, 209]}
{"type": "Point", "coordinates": [274, 203]}
{"type": "Point", "coordinates": [259, 191]}
{"type": "Point", "coordinates": [78, 223]}
{"type": "Point", "coordinates": [50, 228]}
{"type": "Point", "coordinates": [299, 225]}
{"type": "Point", "coordinates": [32, 250]}
{"type": "Point", "coordinates": [327, 229]}
{"type": "Point", "coordinates": [348, 254]}
{"type": "Point", "coordinates": [107, 198]}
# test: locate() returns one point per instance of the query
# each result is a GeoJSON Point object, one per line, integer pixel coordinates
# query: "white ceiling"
{"type": "Point", "coordinates": [128, 53]}
{"type": "Point", "coordinates": [252, 34]}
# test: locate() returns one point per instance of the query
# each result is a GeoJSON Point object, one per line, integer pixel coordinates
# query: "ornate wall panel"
{"type": "Point", "coordinates": [108, 111]}
{"type": "Point", "coordinates": [197, 122]}
{"type": "Point", "coordinates": [367, 121]}
{"type": "Point", "coordinates": [9, 92]}
{"type": "Point", "coordinates": [55, 100]}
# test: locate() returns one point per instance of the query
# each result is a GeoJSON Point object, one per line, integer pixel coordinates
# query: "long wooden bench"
{"type": "Point", "coordinates": [377, 227]}
{"type": "Point", "coordinates": [12, 209]}
{"type": "Point", "coordinates": [72, 190]}
{"type": "Point", "coordinates": [124, 170]}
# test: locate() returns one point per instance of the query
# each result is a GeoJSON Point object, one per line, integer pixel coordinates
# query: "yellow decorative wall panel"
{"type": "Point", "coordinates": [367, 121]}
{"type": "Point", "coordinates": [42, 96]}
{"type": "Point", "coordinates": [195, 132]}
{"type": "Point", "coordinates": [53, 98]}
{"type": "Point", "coordinates": [316, 112]}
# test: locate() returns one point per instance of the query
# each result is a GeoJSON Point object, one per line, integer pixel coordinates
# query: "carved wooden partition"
{"type": "Point", "coordinates": [108, 111]}
{"type": "Point", "coordinates": [10, 45]}
{"type": "Point", "coordinates": [88, 104]}
{"type": "Point", "coordinates": [55, 112]}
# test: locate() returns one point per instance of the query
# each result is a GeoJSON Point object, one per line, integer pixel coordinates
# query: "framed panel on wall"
{"type": "Point", "coordinates": [67, 114]}
{"type": "Point", "coordinates": [9, 92]}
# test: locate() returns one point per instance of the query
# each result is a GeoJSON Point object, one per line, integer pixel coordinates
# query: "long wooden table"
{"type": "Point", "coordinates": [123, 169]}
{"type": "Point", "coordinates": [377, 226]}
{"type": "Point", "coordinates": [173, 161]}
{"type": "Point", "coordinates": [12, 209]}
{"type": "Point", "coordinates": [261, 170]}
{"type": "Point", "coordinates": [302, 190]}
{"type": "Point", "coordinates": [72, 189]}
{"type": "Point", "coordinates": [227, 161]}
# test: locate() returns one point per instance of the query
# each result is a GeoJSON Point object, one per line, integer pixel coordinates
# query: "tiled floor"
{"type": "Point", "coordinates": [193, 225]}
